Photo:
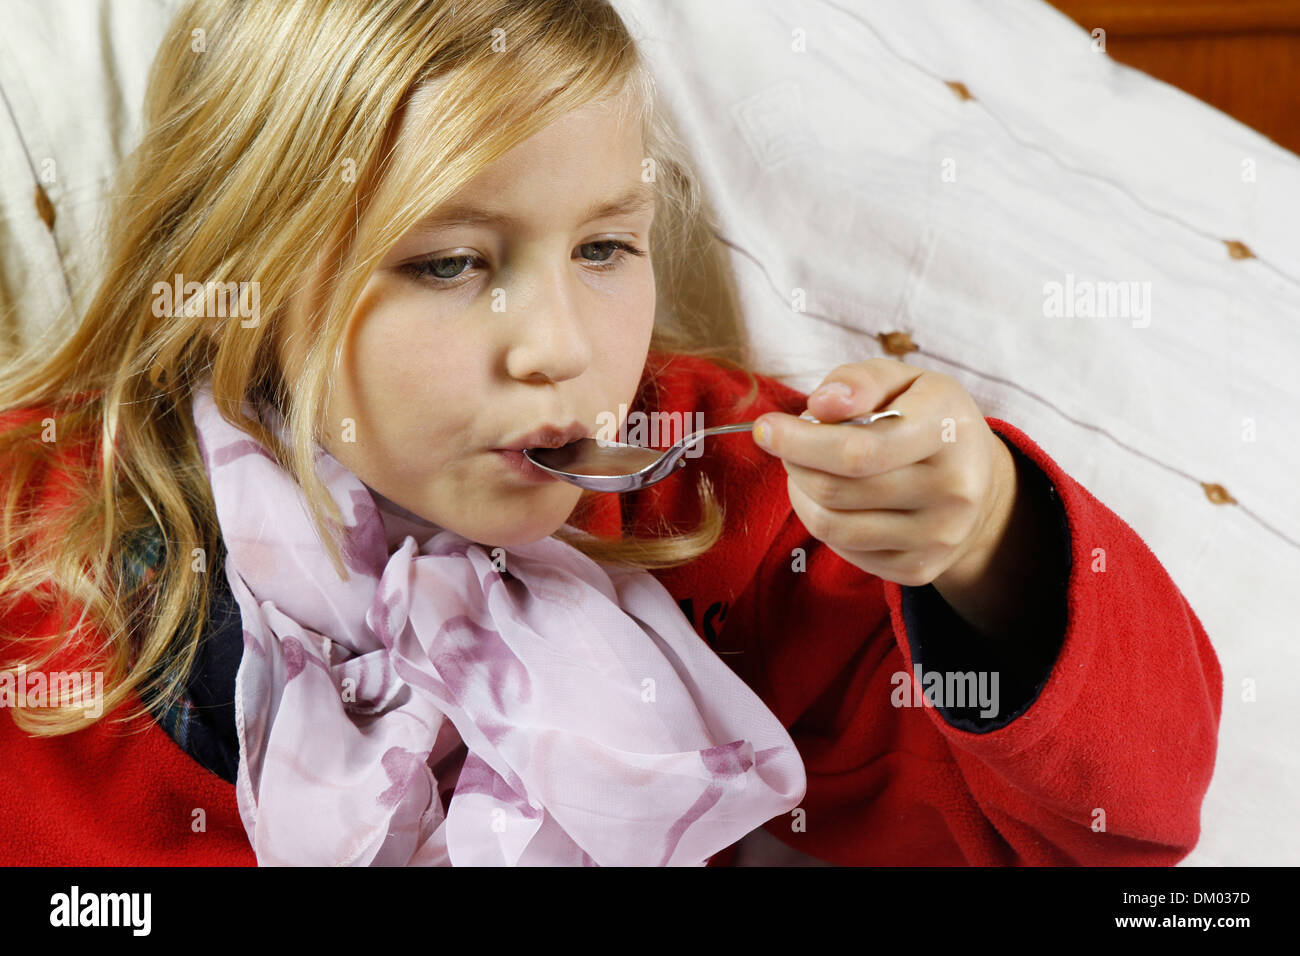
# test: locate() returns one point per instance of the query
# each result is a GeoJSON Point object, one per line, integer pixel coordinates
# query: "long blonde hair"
{"type": "Point", "coordinates": [268, 131]}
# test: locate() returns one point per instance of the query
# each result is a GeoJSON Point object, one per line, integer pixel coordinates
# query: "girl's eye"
{"type": "Point", "coordinates": [618, 250]}
{"type": "Point", "coordinates": [439, 270]}
{"type": "Point", "coordinates": [443, 271]}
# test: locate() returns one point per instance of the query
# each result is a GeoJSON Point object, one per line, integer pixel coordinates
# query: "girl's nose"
{"type": "Point", "coordinates": [550, 339]}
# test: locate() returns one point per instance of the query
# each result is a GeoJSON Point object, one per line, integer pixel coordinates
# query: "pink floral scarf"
{"type": "Point", "coordinates": [434, 711]}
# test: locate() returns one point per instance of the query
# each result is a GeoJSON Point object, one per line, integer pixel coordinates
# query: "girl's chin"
{"type": "Point", "coordinates": [530, 524]}
{"type": "Point", "coordinates": [514, 538]}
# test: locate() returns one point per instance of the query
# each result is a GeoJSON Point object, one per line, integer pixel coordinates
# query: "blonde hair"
{"type": "Point", "coordinates": [252, 127]}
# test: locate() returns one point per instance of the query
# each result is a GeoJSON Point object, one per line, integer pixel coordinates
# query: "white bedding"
{"type": "Point", "coordinates": [827, 167]}
{"type": "Point", "coordinates": [854, 172]}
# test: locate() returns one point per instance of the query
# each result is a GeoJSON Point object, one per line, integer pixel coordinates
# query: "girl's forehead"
{"type": "Point", "coordinates": [586, 155]}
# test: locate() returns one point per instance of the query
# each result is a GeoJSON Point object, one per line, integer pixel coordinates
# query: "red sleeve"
{"type": "Point", "coordinates": [1110, 764]}
{"type": "Point", "coordinates": [1102, 756]}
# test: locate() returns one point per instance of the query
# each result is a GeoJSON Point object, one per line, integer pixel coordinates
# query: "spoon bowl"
{"type": "Point", "coordinates": [600, 465]}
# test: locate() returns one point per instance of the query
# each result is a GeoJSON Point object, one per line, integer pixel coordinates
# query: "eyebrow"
{"type": "Point", "coordinates": [636, 199]}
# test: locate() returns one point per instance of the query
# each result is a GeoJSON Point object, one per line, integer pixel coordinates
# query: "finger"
{"type": "Point", "coordinates": [872, 385]}
{"type": "Point", "coordinates": [931, 404]}
{"type": "Point", "coordinates": [903, 489]}
{"type": "Point", "coordinates": [856, 530]}
{"type": "Point", "coordinates": [911, 568]}
{"type": "Point", "coordinates": [860, 451]}
{"type": "Point", "coordinates": [853, 451]}
{"type": "Point", "coordinates": [934, 532]}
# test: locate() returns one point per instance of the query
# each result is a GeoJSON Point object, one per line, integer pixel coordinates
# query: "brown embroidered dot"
{"type": "Point", "coordinates": [44, 208]}
{"type": "Point", "coordinates": [1238, 250]}
{"type": "Point", "coordinates": [1218, 494]}
{"type": "Point", "coordinates": [959, 88]}
{"type": "Point", "coordinates": [897, 343]}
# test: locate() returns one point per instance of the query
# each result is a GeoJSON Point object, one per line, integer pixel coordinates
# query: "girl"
{"type": "Point", "coordinates": [284, 514]}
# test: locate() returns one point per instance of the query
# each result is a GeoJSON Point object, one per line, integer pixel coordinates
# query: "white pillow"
{"type": "Point", "coordinates": [72, 75]}
{"type": "Point", "coordinates": [848, 170]}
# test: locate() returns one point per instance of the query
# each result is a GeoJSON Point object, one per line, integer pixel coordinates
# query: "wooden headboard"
{"type": "Point", "coordinates": [1240, 56]}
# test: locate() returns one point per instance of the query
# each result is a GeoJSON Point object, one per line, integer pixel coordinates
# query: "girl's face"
{"type": "Point", "coordinates": [517, 307]}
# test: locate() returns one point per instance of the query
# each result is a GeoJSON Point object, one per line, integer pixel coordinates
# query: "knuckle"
{"type": "Point", "coordinates": [930, 379]}
{"type": "Point", "coordinates": [961, 419]}
{"type": "Point", "coordinates": [927, 569]}
{"type": "Point", "coordinates": [823, 488]}
{"type": "Point", "coordinates": [951, 539]}
{"type": "Point", "coordinates": [913, 576]}
{"type": "Point", "coordinates": [823, 523]}
{"type": "Point", "coordinates": [964, 491]}
{"type": "Point", "coordinates": [857, 537]}
{"type": "Point", "coordinates": [974, 488]}
{"type": "Point", "coordinates": [855, 457]}
{"type": "Point", "coordinates": [971, 416]}
{"type": "Point", "coordinates": [947, 533]}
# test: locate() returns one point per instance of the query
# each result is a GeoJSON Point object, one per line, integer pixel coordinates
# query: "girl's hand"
{"type": "Point", "coordinates": [921, 499]}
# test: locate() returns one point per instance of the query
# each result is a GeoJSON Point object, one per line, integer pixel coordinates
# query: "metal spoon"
{"type": "Point", "coordinates": [613, 466]}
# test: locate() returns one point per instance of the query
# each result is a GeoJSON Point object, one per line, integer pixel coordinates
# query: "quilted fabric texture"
{"type": "Point", "coordinates": [950, 184]}
{"type": "Point", "coordinates": [1098, 258]}
{"type": "Point", "coordinates": [72, 80]}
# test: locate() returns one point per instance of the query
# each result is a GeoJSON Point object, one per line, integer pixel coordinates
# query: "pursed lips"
{"type": "Point", "coordinates": [547, 436]}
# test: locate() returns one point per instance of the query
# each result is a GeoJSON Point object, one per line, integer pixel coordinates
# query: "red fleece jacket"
{"type": "Point", "coordinates": [1101, 756]}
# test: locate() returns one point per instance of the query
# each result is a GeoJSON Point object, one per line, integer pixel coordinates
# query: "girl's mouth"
{"type": "Point", "coordinates": [521, 467]}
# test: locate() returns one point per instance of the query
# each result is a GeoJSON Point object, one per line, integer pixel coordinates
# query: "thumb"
{"type": "Point", "coordinates": [833, 400]}
{"type": "Point", "coordinates": [860, 388]}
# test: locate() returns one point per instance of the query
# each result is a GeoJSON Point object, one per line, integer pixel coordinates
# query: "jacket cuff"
{"type": "Point", "coordinates": [942, 643]}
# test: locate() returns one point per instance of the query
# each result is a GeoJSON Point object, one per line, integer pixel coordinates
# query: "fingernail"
{"type": "Point", "coordinates": [832, 388]}
{"type": "Point", "coordinates": [762, 434]}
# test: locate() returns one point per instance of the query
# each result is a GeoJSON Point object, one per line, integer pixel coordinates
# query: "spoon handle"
{"type": "Point", "coordinates": [749, 426]}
